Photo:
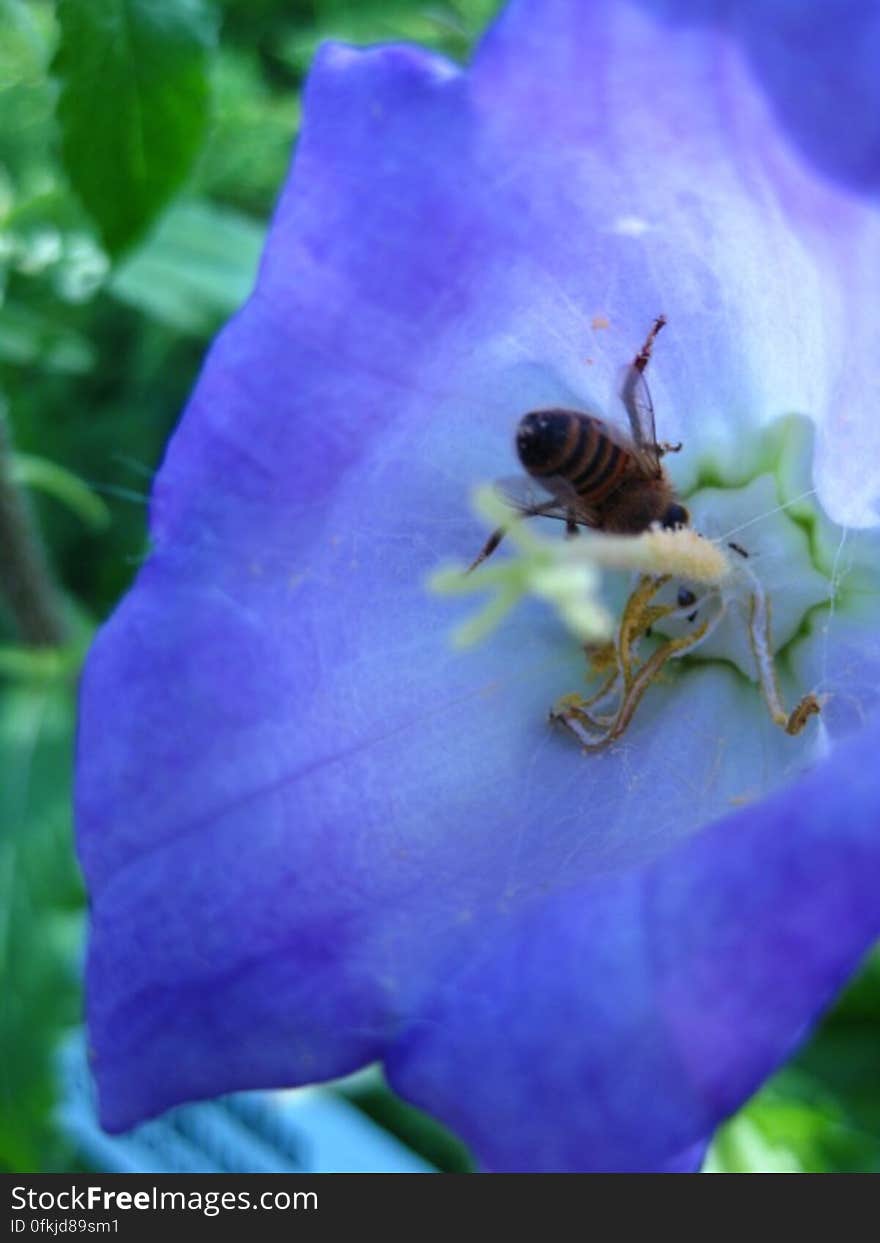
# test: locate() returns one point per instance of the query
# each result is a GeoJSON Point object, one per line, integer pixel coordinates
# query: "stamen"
{"type": "Point", "coordinates": [762, 648]}
{"type": "Point", "coordinates": [633, 624]}
{"type": "Point", "coordinates": [588, 730]}
{"type": "Point", "coordinates": [584, 728]}
{"type": "Point", "coordinates": [648, 673]}
{"type": "Point", "coordinates": [808, 706]}
{"type": "Point", "coordinates": [604, 691]}
{"type": "Point", "coordinates": [759, 637]}
{"type": "Point", "coordinates": [629, 680]}
{"type": "Point", "coordinates": [594, 732]}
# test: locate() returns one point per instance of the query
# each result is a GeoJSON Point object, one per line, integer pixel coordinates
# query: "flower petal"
{"type": "Point", "coordinates": [299, 811]}
{"type": "Point", "coordinates": [671, 990]}
{"type": "Point", "coordinates": [818, 64]}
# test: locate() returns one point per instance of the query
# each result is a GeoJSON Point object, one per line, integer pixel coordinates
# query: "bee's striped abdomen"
{"type": "Point", "coordinates": [574, 447]}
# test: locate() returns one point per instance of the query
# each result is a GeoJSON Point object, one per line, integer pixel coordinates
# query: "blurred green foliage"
{"type": "Point", "coordinates": [41, 902]}
{"type": "Point", "coordinates": [133, 105]}
{"type": "Point", "coordinates": [133, 206]}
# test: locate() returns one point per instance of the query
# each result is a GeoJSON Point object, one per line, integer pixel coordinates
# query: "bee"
{"type": "Point", "coordinates": [589, 473]}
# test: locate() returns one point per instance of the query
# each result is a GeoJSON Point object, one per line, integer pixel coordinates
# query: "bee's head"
{"type": "Point", "coordinates": [540, 436]}
{"type": "Point", "coordinates": [675, 516]}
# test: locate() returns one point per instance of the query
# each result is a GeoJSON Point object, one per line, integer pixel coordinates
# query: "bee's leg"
{"type": "Point", "coordinates": [571, 526]}
{"type": "Point", "coordinates": [641, 360]}
{"type": "Point", "coordinates": [496, 537]}
{"type": "Point", "coordinates": [488, 548]}
{"type": "Point", "coordinates": [665, 447]}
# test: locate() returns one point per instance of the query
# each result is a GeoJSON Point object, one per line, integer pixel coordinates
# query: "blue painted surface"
{"type": "Point", "coordinates": [310, 1130]}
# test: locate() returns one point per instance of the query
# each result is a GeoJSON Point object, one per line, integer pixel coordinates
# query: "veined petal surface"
{"type": "Point", "coordinates": [314, 835]}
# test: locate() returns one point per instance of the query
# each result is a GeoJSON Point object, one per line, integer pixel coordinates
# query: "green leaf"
{"type": "Point", "coordinates": [793, 1126]}
{"type": "Point", "coordinates": [133, 106]}
{"type": "Point", "coordinates": [26, 99]}
{"type": "Point", "coordinates": [38, 664]}
{"type": "Point", "coordinates": [742, 1146]}
{"type": "Point", "coordinates": [821, 1113]}
{"type": "Point", "coordinates": [197, 269]}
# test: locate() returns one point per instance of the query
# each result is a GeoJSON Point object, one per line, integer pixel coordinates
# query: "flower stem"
{"type": "Point", "coordinates": [26, 582]}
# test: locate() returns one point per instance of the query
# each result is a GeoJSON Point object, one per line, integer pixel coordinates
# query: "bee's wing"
{"type": "Point", "coordinates": [529, 498]}
{"type": "Point", "coordinates": [639, 406]}
{"type": "Point", "coordinates": [640, 409]}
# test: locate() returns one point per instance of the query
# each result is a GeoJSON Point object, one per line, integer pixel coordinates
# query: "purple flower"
{"type": "Point", "coordinates": [818, 64]}
{"type": "Point", "coordinates": [314, 834]}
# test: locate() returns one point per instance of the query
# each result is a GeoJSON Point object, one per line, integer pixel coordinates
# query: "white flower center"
{"type": "Point", "coordinates": [760, 568]}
